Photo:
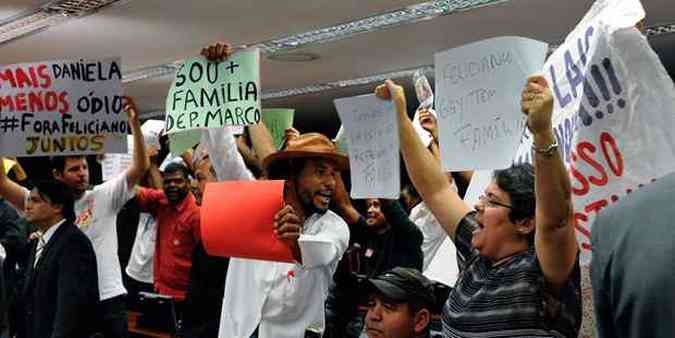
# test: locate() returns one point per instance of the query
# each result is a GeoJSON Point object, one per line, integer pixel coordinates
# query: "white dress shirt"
{"type": "Point", "coordinates": [281, 299]}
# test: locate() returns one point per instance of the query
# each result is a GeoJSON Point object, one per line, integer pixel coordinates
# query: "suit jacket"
{"type": "Point", "coordinates": [633, 263]}
{"type": "Point", "coordinates": [60, 296]}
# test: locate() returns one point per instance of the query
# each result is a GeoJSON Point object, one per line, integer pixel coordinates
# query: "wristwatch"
{"type": "Point", "coordinates": [548, 150]}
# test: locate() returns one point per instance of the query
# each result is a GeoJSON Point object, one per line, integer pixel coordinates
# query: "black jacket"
{"type": "Point", "coordinates": [60, 297]}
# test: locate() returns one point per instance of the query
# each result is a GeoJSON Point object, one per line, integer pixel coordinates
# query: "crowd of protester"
{"type": "Point", "coordinates": [358, 264]}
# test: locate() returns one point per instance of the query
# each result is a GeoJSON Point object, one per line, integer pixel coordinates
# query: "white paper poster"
{"type": "Point", "coordinates": [478, 88]}
{"type": "Point", "coordinates": [114, 164]}
{"type": "Point", "coordinates": [371, 127]}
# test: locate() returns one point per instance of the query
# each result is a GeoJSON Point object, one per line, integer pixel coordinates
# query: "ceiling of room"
{"type": "Point", "coordinates": [149, 34]}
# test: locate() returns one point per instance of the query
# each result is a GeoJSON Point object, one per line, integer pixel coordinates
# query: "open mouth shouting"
{"type": "Point", "coordinates": [322, 198]}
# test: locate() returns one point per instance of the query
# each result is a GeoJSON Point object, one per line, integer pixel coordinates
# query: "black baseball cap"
{"type": "Point", "coordinates": [404, 285]}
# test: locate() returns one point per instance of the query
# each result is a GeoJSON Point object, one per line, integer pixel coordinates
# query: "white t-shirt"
{"type": "Point", "coordinates": [96, 215]}
{"type": "Point", "coordinates": [143, 252]}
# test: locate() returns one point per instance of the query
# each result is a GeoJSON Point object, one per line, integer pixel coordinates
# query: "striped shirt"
{"type": "Point", "coordinates": [511, 299]}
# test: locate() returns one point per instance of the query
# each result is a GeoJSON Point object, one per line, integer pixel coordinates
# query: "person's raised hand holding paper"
{"type": "Point", "coordinates": [429, 123]}
{"type": "Point", "coordinates": [217, 52]}
{"type": "Point", "coordinates": [391, 91]}
{"type": "Point", "coordinates": [537, 104]}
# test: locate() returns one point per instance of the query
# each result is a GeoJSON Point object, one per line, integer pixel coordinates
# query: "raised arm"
{"type": "Point", "coordinates": [10, 190]}
{"type": "Point", "coordinates": [423, 169]}
{"type": "Point", "coordinates": [555, 240]}
{"type": "Point", "coordinates": [261, 140]}
{"type": "Point", "coordinates": [225, 157]}
{"type": "Point", "coordinates": [140, 163]}
{"type": "Point", "coordinates": [400, 222]}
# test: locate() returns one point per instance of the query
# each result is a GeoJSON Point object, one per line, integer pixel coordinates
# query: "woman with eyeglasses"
{"type": "Point", "coordinates": [519, 263]}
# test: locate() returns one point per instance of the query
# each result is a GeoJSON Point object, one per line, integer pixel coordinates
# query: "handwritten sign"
{"type": "Point", "coordinates": [62, 107]}
{"type": "Point", "coordinates": [372, 132]}
{"type": "Point", "coordinates": [277, 121]}
{"type": "Point", "coordinates": [212, 95]}
{"type": "Point", "coordinates": [478, 90]}
{"type": "Point", "coordinates": [114, 164]}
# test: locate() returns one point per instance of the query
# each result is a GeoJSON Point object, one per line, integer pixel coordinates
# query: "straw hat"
{"type": "Point", "coordinates": [309, 145]}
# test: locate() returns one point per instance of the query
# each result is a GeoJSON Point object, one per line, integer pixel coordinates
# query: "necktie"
{"type": "Point", "coordinates": [38, 250]}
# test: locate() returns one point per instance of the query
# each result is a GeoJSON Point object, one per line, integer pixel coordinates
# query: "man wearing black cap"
{"type": "Point", "coordinates": [400, 304]}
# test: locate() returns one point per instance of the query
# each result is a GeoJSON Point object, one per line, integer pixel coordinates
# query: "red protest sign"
{"type": "Point", "coordinates": [237, 220]}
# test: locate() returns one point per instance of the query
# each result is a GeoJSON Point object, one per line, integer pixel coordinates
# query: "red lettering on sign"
{"type": "Point", "coordinates": [616, 164]}
{"type": "Point", "coordinates": [585, 187]}
{"type": "Point", "coordinates": [586, 151]}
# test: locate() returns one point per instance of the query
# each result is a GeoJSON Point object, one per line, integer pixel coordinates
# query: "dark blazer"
{"type": "Point", "coordinates": [60, 296]}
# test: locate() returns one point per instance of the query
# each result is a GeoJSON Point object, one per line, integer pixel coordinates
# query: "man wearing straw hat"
{"type": "Point", "coordinates": [274, 299]}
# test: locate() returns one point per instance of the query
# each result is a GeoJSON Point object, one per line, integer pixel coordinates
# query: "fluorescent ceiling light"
{"type": "Point", "coordinates": [48, 15]}
{"type": "Point", "coordinates": [402, 16]}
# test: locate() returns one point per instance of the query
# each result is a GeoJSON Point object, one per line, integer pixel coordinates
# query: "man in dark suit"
{"type": "Point", "coordinates": [61, 291]}
{"type": "Point", "coordinates": [633, 263]}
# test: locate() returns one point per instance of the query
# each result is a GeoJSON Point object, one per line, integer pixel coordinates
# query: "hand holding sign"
{"type": "Point", "coordinates": [130, 109]}
{"type": "Point", "coordinates": [291, 134]}
{"type": "Point", "coordinates": [217, 52]}
{"type": "Point", "coordinates": [537, 104]}
{"type": "Point", "coordinates": [429, 123]}
{"type": "Point", "coordinates": [391, 91]}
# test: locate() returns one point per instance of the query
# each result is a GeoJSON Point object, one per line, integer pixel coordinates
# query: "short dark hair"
{"type": "Point", "coordinates": [173, 168]}
{"type": "Point", "coordinates": [59, 162]}
{"type": "Point", "coordinates": [57, 192]}
{"type": "Point", "coordinates": [518, 182]}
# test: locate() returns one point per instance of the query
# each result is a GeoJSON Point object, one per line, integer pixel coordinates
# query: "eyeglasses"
{"type": "Point", "coordinates": [490, 203]}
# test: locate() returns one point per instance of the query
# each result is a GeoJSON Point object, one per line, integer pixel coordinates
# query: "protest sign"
{"type": "Point", "coordinates": [277, 121]}
{"type": "Point", "coordinates": [371, 127]}
{"type": "Point", "coordinates": [114, 164]}
{"type": "Point", "coordinates": [613, 117]}
{"type": "Point", "coordinates": [613, 111]}
{"type": "Point", "coordinates": [62, 107]}
{"type": "Point", "coordinates": [237, 220]}
{"type": "Point", "coordinates": [212, 95]}
{"type": "Point", "coordinates": [478, 90]}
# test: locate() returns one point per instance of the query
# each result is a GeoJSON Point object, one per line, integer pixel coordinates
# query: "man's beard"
{"type": "Point", "coordinates": [310, 208]}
